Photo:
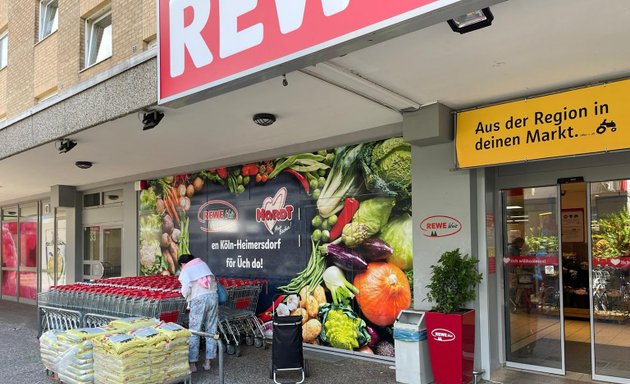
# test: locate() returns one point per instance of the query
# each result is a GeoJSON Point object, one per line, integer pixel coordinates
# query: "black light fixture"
{"type": "Point", "coordinates": [472, 21]}
{"type": "Point", "coordinates": [65, 145]}
{"type": "Point", "coordinates": [150, 119]}
{"type": "Point", "coordinates": [83, 164]}
{"type": "Point", "coordinates": [264, 119]}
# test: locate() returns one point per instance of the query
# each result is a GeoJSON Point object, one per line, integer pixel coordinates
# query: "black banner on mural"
{"type": "Point", "coordinates": [257, 234]}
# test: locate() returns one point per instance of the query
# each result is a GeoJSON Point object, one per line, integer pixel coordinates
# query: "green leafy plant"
{"type": "Point", "coordinates": [611, 235]}
{"type": "Point", "coordinates": [538, 243]}
{"type": "Point", "coordinates": [454, 281]}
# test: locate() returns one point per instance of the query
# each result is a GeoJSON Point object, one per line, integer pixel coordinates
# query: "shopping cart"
{"type": "Point", "coordinates": [237, 317]}
{"type": "Point", "coordinates": [63, 303]}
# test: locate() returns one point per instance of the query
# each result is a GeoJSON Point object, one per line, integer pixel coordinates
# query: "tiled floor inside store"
{"type": "Point", "coordinates": [536, 341]}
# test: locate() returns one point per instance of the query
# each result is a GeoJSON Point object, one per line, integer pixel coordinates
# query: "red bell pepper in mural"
{"type": "Point", "coordinates": [350, 207]}
{"type": "Point", "coordinates": [222, 172]}
{"type": "Point", "coordinates": [250, 169]}
{"type": "Point", "coordinates": [300, 178]}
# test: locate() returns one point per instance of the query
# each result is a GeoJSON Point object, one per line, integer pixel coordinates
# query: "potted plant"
{"type": "Point", "coordinates": [450, 326]}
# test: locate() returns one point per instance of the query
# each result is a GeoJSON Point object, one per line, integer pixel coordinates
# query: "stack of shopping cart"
{"type": "Point", "coordinates": [156, 281]}
{"type": "Point", "coordinates": [237, 317]}
{"type": "Point", "coordinates": [107, 300]}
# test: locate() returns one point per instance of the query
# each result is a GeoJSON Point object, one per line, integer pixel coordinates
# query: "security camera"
{"type": "Point", "coordinates": [65, 145]}
{"type": "Point", "coordinates": [150, 119]}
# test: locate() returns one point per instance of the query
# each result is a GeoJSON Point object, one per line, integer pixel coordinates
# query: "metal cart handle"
{"type": "Point", "coordinates": [217, 337]}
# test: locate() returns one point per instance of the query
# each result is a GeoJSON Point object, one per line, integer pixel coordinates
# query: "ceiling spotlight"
{"type": "Point", "coordinates": [65, 145]}
{"type": "Point", "coordinates": [472, 21]}
{"type": "Point", "coordinates": [83, 164]}
{"type": "Point", "coordinates": [150, 119]}
{"type": "Point", "coordinates": [264, 119]}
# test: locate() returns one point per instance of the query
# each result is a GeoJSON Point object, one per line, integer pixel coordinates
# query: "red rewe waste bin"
{"type": "Point", "coordinates": [451, 346]}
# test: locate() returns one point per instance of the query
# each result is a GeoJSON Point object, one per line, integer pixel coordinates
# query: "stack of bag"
{"type": "Point", "coordinates": [132, 350]}
{"type": "Point", "coordinates": [121, 359]}
{"type": "Point", "coordinates": [49, 349]}
{"type": "Point", "coordinates": [69, 353]}
{"type": "Point", "coordinates": [176, 350]}
{"type": "Point", "coordinates": [150, 355]}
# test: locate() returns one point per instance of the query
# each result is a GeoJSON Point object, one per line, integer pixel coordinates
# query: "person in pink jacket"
{"type": "Point", "coordinates": [199, 287]}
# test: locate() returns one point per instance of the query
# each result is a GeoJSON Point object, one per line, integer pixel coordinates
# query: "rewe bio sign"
{"type": "Point", "coordinates": [206, 43]}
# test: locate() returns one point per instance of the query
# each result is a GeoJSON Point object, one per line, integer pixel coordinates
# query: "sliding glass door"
{"type": "Point", "coordinates": [610, 276]}
{"type": "Point", "coordinates": [532, 279]}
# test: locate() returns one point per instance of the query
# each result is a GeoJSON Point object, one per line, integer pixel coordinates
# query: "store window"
{"type": "Point", "coordinates": [28, 235]}
{"type": "Point", "coordinates": [4, 49]}
{"type": "Point", "coordinates": [9, 252]}
{"type": "Point", "coordinates": [98, 41]}
{"type": "Point", "coordinates": [48, 17]}
{"type": "Point", "coordinates": [53, 247]}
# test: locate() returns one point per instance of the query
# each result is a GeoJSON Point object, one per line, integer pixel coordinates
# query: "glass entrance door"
{"type": "Point", "coordinates": [532, 279]}
{"type": "Point", "coordinates": [566, 278]}
{"type": "Point", "coordinates": [103, 252]}
{"type": "Point", "coordinates": [610, 269]}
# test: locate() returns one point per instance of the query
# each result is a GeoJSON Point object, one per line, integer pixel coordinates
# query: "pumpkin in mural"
{"type": "Point", "coordinates": [383, 292]}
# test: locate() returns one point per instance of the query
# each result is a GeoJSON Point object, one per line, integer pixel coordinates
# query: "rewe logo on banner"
{"type": "Point", "coordinates": [188, 37]}
{"type": "Point", "coordinates": [217, 216]}
{"type": "Point", "coordinates": [206, 43]}
{"type": "Point", "coordinates": [274, 210]}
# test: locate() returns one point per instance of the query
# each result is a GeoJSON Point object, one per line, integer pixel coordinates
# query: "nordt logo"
{"type": "Point", "coordinates": [217, 216]}
{"type": "Point", "coordinates": [274, 210]}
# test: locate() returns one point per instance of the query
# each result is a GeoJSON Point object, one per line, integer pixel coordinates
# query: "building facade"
{"type": "Point", "coordinates": [78, 80]}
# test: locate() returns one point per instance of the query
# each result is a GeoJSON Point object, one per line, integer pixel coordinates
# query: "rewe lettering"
{"type": "Point", "coordinates": [187, 37]}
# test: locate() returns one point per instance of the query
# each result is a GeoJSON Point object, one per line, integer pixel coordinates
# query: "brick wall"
{"type": "Point", "coordinates": [3, 94]}
{"type": "Point", "coordinates": [37, 69]}
{"type": "Point", "coordinates": [4, 20]}
{"type": "Point", "coordinates": [4, 13]}
{"type": "Point", "coordinates": [149, 29]}
{"type": "Point", "coordinates": [21, 31]}
{"type": "Point", "coordinates": [45, 77]}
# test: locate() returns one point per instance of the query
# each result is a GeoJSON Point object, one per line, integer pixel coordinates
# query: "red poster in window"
{"type": "Point", "coordinates": [203, 43]}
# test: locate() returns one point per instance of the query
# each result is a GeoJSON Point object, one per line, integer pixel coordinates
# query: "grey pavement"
{"type": "Point", "coordinates": [20, 361]}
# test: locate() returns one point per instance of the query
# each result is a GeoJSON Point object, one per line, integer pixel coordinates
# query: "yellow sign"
{"type": "Point", "coordinates": [587, 120]}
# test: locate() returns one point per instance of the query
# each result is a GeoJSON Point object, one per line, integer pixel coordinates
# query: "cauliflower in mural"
{"type": "Point", "coordinates": [150, 257]}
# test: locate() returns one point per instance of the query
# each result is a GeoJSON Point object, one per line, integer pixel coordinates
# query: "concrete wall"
{"type": "Point", "coordinates": [133, 87]}
{"type": "Point", "coordinates": [438, 190]}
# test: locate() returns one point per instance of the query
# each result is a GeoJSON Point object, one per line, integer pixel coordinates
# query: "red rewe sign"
{"type": "Point", "coordinates": [206, 43]}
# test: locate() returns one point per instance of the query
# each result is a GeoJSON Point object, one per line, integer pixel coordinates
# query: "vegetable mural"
{"type": "Point", "coordinates": [332, 228]}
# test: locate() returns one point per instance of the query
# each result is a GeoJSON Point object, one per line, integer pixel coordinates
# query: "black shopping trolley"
{"type": "Point", "coordinates": [287, 354]}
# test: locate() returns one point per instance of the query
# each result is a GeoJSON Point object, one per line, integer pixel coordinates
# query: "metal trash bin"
{"type": "Point", "coordinates": [413, 365]}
